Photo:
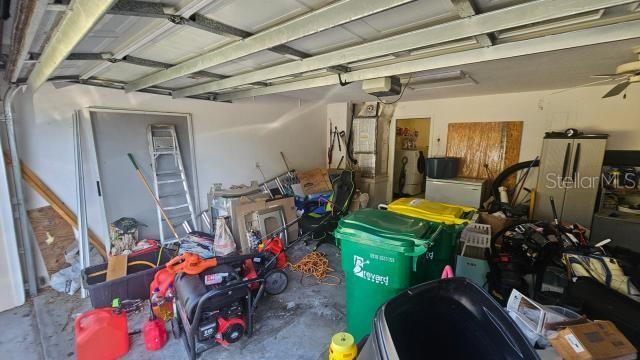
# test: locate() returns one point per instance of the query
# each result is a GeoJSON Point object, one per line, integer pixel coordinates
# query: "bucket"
{"type": "Point", "coordinates": [442, 167]}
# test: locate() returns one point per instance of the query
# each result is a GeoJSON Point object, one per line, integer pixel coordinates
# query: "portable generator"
{"type": "Point", "coordinates": [216, 306]}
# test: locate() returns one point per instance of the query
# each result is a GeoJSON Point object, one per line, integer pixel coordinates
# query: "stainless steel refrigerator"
{"type": "Point", "coordinates": [570, 169]}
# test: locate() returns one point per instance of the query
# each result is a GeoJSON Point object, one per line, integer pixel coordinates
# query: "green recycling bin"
{"type": "Point", "coordinates": [383, 253]}
{"type": "Point", "coordinates": [441, 253]}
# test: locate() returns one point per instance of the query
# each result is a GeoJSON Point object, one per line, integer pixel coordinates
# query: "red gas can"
{"type": "Point", "coordinates": [155, 335]}
{"type": "Point", "coordinates": [101, 334]}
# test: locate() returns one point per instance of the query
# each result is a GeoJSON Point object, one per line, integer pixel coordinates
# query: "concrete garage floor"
{"type": "Point", "coordinates": [297, 324]}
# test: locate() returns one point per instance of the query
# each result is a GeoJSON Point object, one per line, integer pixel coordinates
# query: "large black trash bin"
{"type": "Point", "coordinates": [445, 319]}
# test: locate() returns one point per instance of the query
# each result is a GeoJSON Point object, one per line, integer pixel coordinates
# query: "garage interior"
{"type": "Point", "coordinates": [318, 179]}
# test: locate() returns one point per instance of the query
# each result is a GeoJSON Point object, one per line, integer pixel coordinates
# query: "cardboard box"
{"type": "Point", "coordinates": [532, 314]}
{"type": "Point", "coordinates": [314, 181]}
{"type": "Point", "coordinates": [497, 223]}
{"type": "Point", "coordinates": [599, 340]}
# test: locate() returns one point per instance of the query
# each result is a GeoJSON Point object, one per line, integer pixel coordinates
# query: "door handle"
{"type": "Point", "coordinates": [576, 160]}
{"type": "Point", "coordinates": [438, 182]}
{"type": "Point", "coordinates": [565, 164]}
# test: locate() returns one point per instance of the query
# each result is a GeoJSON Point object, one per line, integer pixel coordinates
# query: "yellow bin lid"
{"type": "Point", "coordinates": [431, 210]}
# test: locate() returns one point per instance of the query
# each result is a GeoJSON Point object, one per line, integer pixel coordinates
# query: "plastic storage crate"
{"type": "Point", "coordinates": [131, 287]}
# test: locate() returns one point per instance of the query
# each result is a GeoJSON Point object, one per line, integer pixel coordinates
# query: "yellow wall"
{"type": "Point", "coordinates": [421, 125]}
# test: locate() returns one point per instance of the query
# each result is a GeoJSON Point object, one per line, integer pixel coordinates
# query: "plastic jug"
{"type": "Point", "coordinates": [101, 334]}
{"type": "Point", "coordinates": [161, 280]}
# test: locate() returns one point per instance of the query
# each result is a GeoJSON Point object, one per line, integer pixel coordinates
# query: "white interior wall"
{"type": "Point", "coordinates": [229, 138]}
{"type": "Point", "coordinates": [338, 114]}
{"type": "Point", "coordinates": [540, 112]}
{"type": "Point", "coordinates": [579, 108]}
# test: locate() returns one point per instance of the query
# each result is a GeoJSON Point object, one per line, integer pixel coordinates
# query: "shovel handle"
{"type": "Point", "coordinates": [133, 161]}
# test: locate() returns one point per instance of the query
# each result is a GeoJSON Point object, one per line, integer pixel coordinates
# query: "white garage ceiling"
{"type": "Point", "coordinates": [552, 70]}
{"type": "Point", "coordinates": [140, 47]}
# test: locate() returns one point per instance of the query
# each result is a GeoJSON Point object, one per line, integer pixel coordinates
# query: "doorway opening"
{"type": "Point", "coordinates": [112, 134]}
{"type": "Point", "coordinates": [411, 148]}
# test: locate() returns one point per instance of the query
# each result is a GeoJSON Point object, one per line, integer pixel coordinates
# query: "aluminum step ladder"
{"type": "Point", "coordinates": [170, 182]}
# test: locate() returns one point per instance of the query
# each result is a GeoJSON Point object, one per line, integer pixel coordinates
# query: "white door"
{"type": "Point", "coordinates": [10, 271]}
{"type": "Point", "coordinates": [123, 194]}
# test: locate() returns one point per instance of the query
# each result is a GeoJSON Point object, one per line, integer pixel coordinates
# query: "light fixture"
{"type": "Point", "coordinates": [573, 20]}
{"type": "Point", "coordinates": [440, 80]}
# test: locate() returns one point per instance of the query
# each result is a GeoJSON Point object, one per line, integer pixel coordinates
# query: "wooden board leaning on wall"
{"type": "Point", "coordinates": [53, 235]}
{"type": "Point", "coordinates": [496, 144]}
{"type": "Point", "coordinates": [56, 203]}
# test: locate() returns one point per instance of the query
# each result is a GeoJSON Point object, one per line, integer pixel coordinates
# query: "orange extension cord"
{"type": "Point", "coordinates": [316, 264]}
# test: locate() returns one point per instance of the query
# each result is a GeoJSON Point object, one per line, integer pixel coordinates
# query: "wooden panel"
{"type": "Point", "coordinates": [117, 267]}
{"type": "Point", "coordinates": [60, 207]}
{"type": "Point", "coordinates": [54, 236]}
{"type": "Point", "coordinates": [496, 144]}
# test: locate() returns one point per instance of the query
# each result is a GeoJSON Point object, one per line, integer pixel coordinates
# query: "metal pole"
{"type": "Point", "coordinates": [25, 238]}
{"type": "Point", "coordinates": [83, 230]}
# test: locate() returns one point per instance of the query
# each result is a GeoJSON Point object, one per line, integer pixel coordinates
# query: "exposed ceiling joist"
{"type": "Point", "coordinates": [332, 15]}
{"type": "Point", "coordinates": [119, 85]}
{"type": "Point", "coordinates": [30, 14]}
{"type": "Point", "coordinates": [147, 36]}
{"type": "Point", "coordinates": [523, 14]}
{"type": "Point", "coordinates": [133, 60]}
{"type": "Point", "coordinates": [77, 23]}
{"type": "Point", "coordinates": [467, 8]}
{"type": "Point", "coordinates": [34, 57]}
{"type": "Point", "coordinates": [139, 9]}
{"type": "Point", "coordinates": [197, 21]}
{"type": "Point", "coordinates": [599, 35]}
{"type": "Point", "coordinates": [57, 7]}
{"type": "Point", "coordinates": [204, 23]}
{"type": "Point", "coordinates": [586, 18]}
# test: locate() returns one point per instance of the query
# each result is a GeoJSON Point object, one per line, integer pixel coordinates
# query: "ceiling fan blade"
{"type": "Point", "coordinates": [604, 75]}
{"type": "Point", "coordinates": [616, 90]}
